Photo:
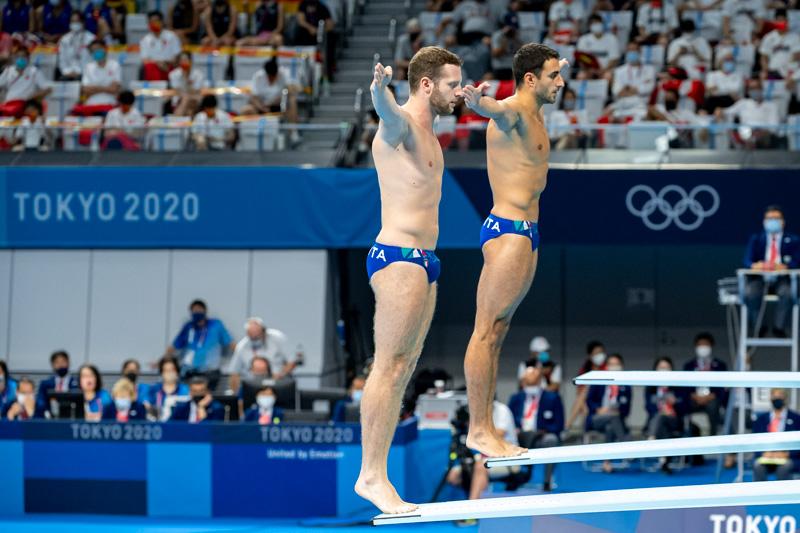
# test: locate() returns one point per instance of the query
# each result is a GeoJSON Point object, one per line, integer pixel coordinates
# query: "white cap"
{"type": "Point", "coordinates": [539, 344]}
{"type": "Point", "coordinates": [257, 319]}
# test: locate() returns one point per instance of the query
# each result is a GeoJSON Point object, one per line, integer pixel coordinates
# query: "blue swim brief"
{"type": "Point", "coordinates": [495, 226]}
{"type": "Point", "coordinates": [381, 256]}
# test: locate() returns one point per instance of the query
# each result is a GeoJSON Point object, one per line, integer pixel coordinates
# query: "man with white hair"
{"type": "Point", "coordinates": [260, 341]}
{"type": "Point", "coordinates": [540, 358]}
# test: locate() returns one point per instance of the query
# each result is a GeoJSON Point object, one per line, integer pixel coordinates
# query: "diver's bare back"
{"type": "Point", "coordinates": [410, 177]}
{"type": "Point", "coordinates": [517, 163]}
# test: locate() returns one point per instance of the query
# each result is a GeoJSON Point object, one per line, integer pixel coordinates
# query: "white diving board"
{"type": "Point", "coordinates": [691, 379]}
{"type": "Point", "coordinates": [749, 442]}
{"type": "Point", "coordinates": [682, 497]}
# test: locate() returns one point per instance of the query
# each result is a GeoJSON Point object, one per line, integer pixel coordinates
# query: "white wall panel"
{"type": "Point", "coordinates": [5, 301]}
{"type": "Point", "coordinates": [49, 306]}
{"type": "Point", "coordinates": [128, 312]}
{"type": "Point", "coordinates": [219, 277]}
{"type": "Point", "coordinates": [289, 291]}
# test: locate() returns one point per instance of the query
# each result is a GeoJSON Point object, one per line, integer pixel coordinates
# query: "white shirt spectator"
{"type": "Point", "coordinates": [270, 93]}
{"type": "Point", "coordinates": [725, 84]}
{"type": "Point", "coordinates": [30, 133]}
{"type": "Point", "coordinates": [743, 17]}
{"type": "Point", "coordinates": [177, 81]}
{"type": "Point", "coordinates": [214, 128]}
{"type": "Point", "coordinates": [605, 48]}
{"type": "Point", "coordinates": [102, 76]}
{"type": "Point", "coordinates": [779, 48]}
{"type": "Point", "coordinates": [22, 85]}
{"type": "Point", "coordinates": [681, 51]}
{"type": "Point", "coordinates": [503, 419]}
{"type": "Point", "coordinates": [275, 350]}
{"type": "Point", "coordinates": [128, 122]}
{"type": "Point", "coordinates": [474, 16]}
{"type": "Point", "coordinates": [164, 47]}
{"type": "Point", "coordinates": [642, 77]}
{"type": "Point", "coordinates": [658, 20]}
{"type": "Point", "coordinates": [752, 113]}
{"type": "Point", "coordinates": [558, 125]}
{"type": "Point", "coordinates": [566, 16]}
{"type": "Point", "coordinates": [73, 52]}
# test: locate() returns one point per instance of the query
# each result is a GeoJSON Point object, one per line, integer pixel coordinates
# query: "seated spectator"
{"type": "Point", "coordinates": [212, 128]}
{"type": "Point", "coordinates": [666, 408]}
{"type": "Point", "coordinates": [633, 77]}
{"type": "Point", "coordinates": [30, 134]}
{"type": "Point", "coordinates": [602, 46]}
{"type": "Point", "coordinates": [538, 416]}
{"type": "Point", "coordinates": [309, 14]}
{"type": "Point", "coordinates": [95, 399]}
{"type": "Point", "coordinates": [220, 24]}
{"type": "Point", "coordinates": [539, 358]}
{"type": "Point", "coordinates": [267, 86]}
{"type": "Point", "coordinates": [101, 82]}
{"type": "Point", "coordinates": [8, 388]}
{"type": "Point", "coordinates": [472, 20]}
{"type": "Point", "coordinates": [741, 19]}
{"type": "Point", "coordinates": [505, 43]}
{"type": "Point", "coordinates": [164, 394]}
{"type": "Point", "coordinates": [73, 49]}
{"type": "Point", "coordinates": [123, 127]}
{"type": "Point", "coordinates": [595, 360]}
{"type": "Point", "coordinates": [17, 17]}
{"type": "Point", "coordinates": [21, 82]}
{"type": "Point", "coordinates": [202, 407]}
{"type": "Point", "coordinates": [7, 46]}
{"type": "Point", "coordinates": [258, 374]}
{"type": "Point", "coordinates": [103, 21]}
{"type": "Point", "coordinates": [202, 342]}
{"type": "Point", "coordinates": [52, 20]}
{"type": "Point", "coordinates": [125, 406]}
{"type": "Point", "coordinates": [354, 394]}
{"type": "Point", "coordinates": [759, 118]}
{"type": "Point", "coordinates": [268, 23]}
{"type": "Point", "coordinates": [778, 49]}
{"type": "Point", "coordinates": [609, 406]}
{"type": "Point", "coordinates": [655, 22]}
{"type": "Point", "coordinates": [773, 249]}
{"type": "Point", "coordinates": [690, 51]}
{"type": "Point", "coordinates": [562, 136]}
{"type": "Point", "coordinates": [261, 341]}
{"type": "Point", "coordinates": [704, 399]}
{"type": "Point", "coordinates": [408, 44]}
{"type": "Point", "coordinates": [188, 82]}
{"type": "Point", "coordinates": [264, 412]}
{"type": "Point", "coordinates": [565, 20]}
{"type": "Point", "coordinates": [24, 406]}
{"type": "Point", "coordinates": [159, 49]}
{"type": "Point", "coordinates": [183, 19]}
{"type": "Point", "coordinates": [131, 370]}
{"type": "Point", "coordinates": [668, 111]}
{"type": "Point", "coordinates": [779, 418]}
{"type": "Point", "coordinates": [61, 381]}
{"type": "Point", "coordinates": [723, 86]}
{"type": "Point", "coordinates": [476, 57]}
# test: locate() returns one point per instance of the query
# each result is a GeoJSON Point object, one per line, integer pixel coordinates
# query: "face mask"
{"type": "Point", "coordinates": [670, 105]}
{"type": "Point", "coordinates": [544, 357]}
{"type": "Point", "coordinates": [155, 27]}
{"type": "Point", "coordinates": [125, 109]}
{"type": "Point", "coordinates": [728, 66]}
{"type": "Point", "coordinates": [61, 372]}
{"type": "Point", "coordinates": [22, 397]}
{"type": "Point", "coordinates": [357, 394]}
{"type": "Point", "coordinates": [703, 351]}
{"type": "Point", "coordinates": [197, 317]}
{"type": "Point", "coordinates": [414, 36]}
{"type": "Point", "coordinates": [170, 377]}
{"type": "Point", "coordinates": [772, 225]}
{"type": "Point", "coordinates": [756, 94]}
{"type": "Point", "coordinates": [614, 368]}
{"type": "Point", "coordinates": [632, 57]}
{"type": "Point", "coordinates": [599, 358]}
{"type": "Point", "coordinates": [21, 63]}
{"type": "Point", "coordinates": [197, 398]}
{"type": "Point", "coordinates": [531, 391]}
{"type": "Point", "coordinates": [569, 105]}
{"type": "Point", "coordinates": [266, 402]}
{"type": "Point", "coordinates": [75, 27]}
{"type": "Point", "coordinates": [131, 377]}
{"type": "Point", "coordinates": [778, 403]}
{"type": "Point", "coordinates": [123, 404]}
{"type": "Point", "coordinates": [256, 343]}
{"type": "Point", "coordinates": [185, 65]}
{"type": "Point", "coordinates": [663, 369]}
{"type": "Point", "coordinates": [99, 55]}
{"type": "Point", "coordinates": [596, 28]}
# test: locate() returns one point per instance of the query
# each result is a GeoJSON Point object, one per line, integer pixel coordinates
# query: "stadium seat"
{"type": "Point", "coordinates": [135, 27]}
{"type": "Point", "coordinates": [213, 65]}
{"type": "Point", "coordinates": [707, 23]}
{"type": "Point", "coordinates": [261, 134]}
{"type": "Point", "coordinates": [591, 96]}
{"type": "Point", "coordinates": [63, 98]}
{"type": "Point", "coordinates": [147, 103]}
{"type": "Point", "coordinates": [162, 138]}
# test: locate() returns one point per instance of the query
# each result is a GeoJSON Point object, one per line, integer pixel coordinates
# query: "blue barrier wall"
{"type": "Point", "coordinates": [229, 207]}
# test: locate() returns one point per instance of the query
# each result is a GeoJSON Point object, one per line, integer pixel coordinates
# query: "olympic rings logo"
{"type": "Point", "coordinates": [673, 212]}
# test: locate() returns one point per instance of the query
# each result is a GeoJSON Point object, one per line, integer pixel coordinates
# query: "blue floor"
{"type": "Point", "coordinates": [569, 478]}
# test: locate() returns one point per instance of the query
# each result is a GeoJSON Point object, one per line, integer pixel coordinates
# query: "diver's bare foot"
{"type": "Point", "coordinates": [383, 495]}
{"type": "Point", "coordinates": [492, 446]}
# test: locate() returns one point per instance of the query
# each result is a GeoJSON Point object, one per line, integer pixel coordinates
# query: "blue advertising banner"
{"type": "Point", "coordinates": [246, 207]}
